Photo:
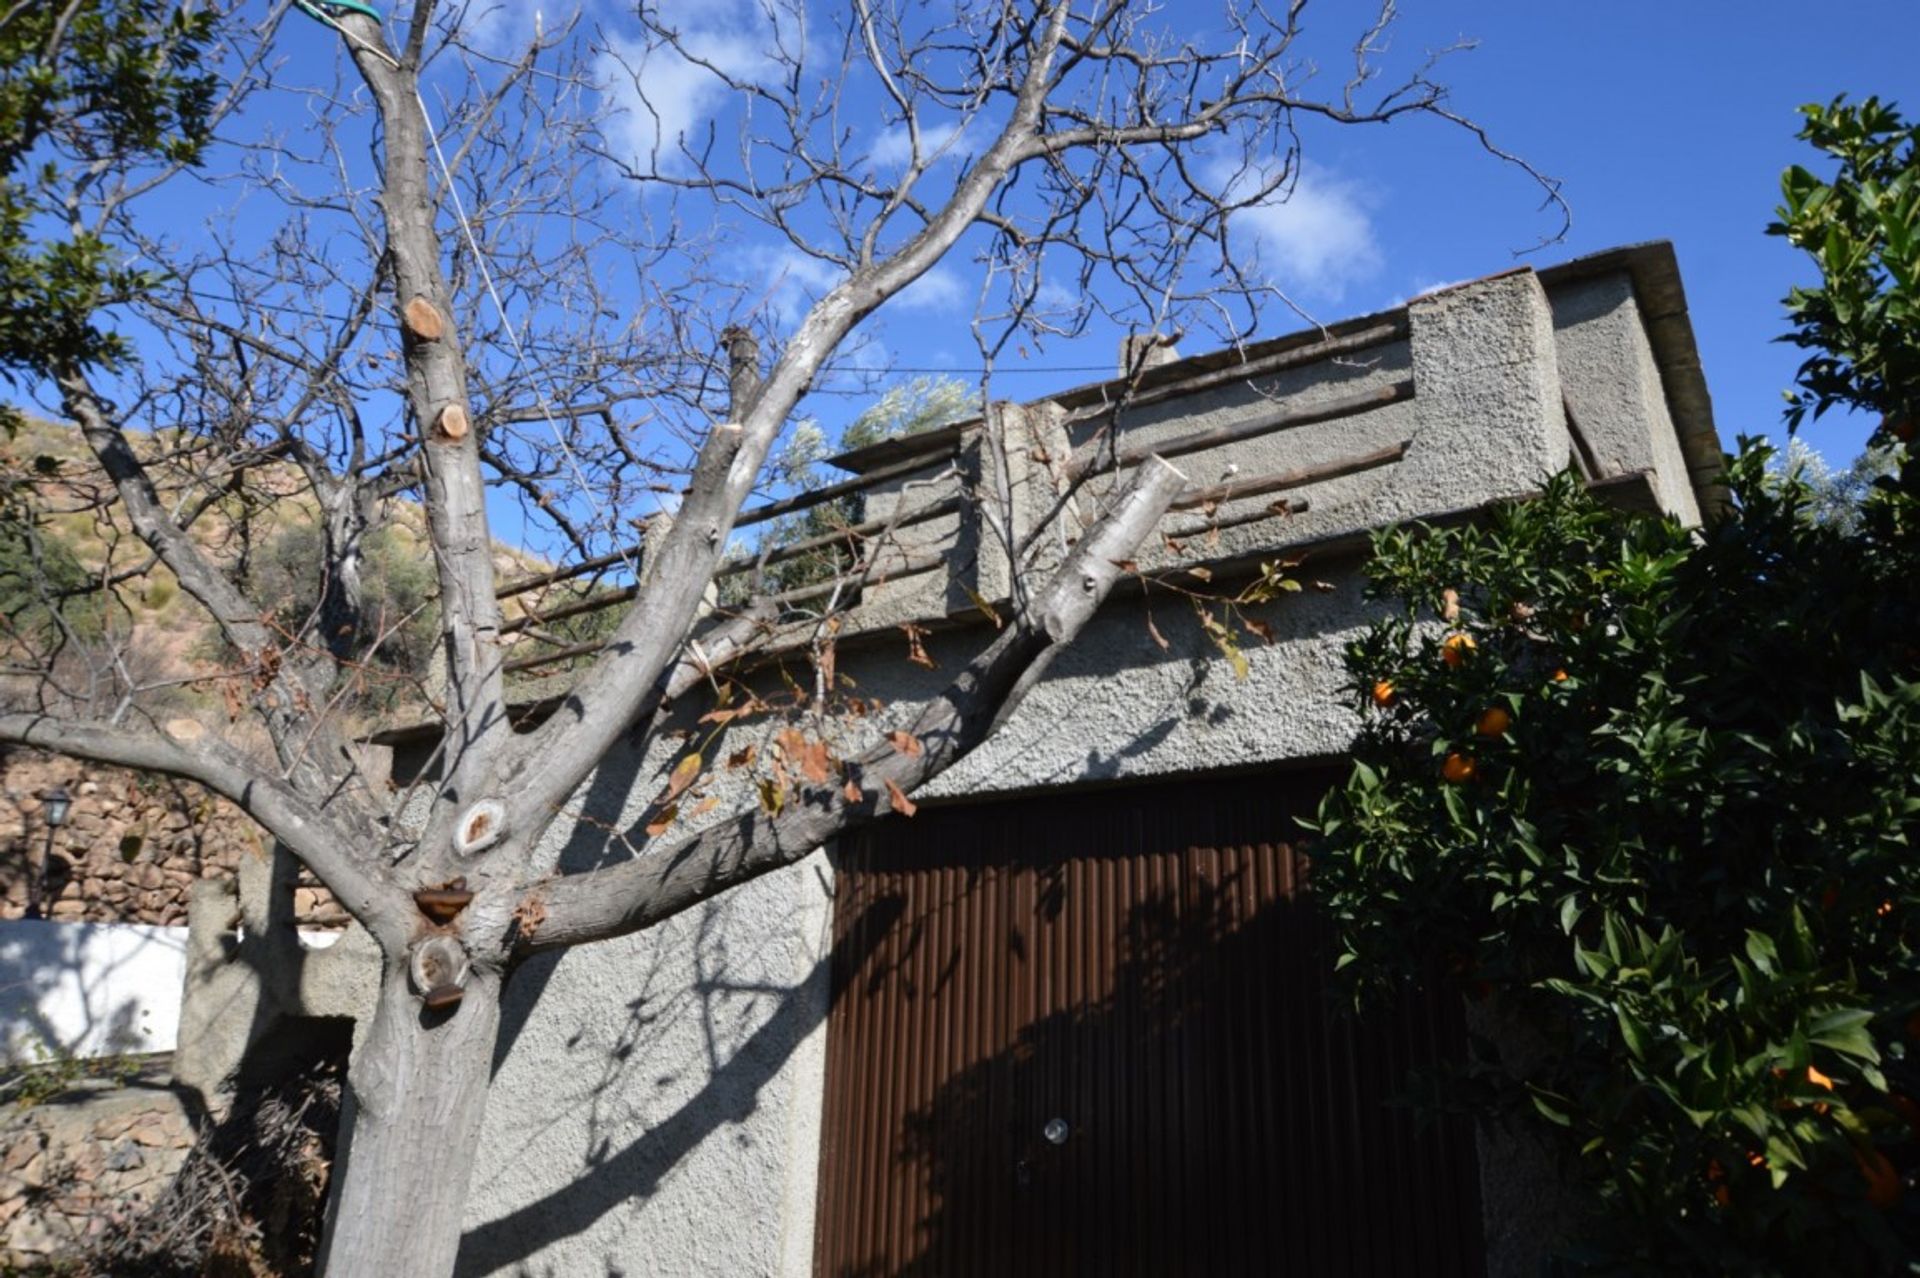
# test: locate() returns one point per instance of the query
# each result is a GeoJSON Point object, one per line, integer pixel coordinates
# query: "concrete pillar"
{"type": "Point", "coordinates": [1486, 394]}
{"type": "Point", "coordinates": [1022, 452]}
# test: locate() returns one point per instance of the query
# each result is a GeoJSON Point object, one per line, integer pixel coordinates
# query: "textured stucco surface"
{"type": "Point", "coordinates": [655, 1108]}
{"type": "Point", "coordinates": [1613, 386]}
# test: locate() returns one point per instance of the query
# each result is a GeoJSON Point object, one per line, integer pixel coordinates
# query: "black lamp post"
{"type": "Point", "coordinates": [58, 803]}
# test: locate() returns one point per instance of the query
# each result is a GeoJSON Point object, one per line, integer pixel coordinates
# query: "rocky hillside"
{"type": "Point", "coordinates": [134, 844]}
{"type": "Point", "coordinates": [265, 534]}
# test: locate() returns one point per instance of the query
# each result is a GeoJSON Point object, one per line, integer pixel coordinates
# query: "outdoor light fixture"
{"type": "Point", "coordinates": [57, 804]}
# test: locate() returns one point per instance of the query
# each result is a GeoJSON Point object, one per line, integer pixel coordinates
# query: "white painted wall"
{"type": "Point", "coordinates": [89, 989]}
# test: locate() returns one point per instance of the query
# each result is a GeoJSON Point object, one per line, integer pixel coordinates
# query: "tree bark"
{"type": "Point", "coordinates": [409, 1131]}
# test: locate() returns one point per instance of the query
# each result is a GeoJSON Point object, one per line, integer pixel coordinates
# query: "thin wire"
{"type": "Point", "coordinates": [956, 369]}
{"type": "Point", "coordinates": [513, 336]}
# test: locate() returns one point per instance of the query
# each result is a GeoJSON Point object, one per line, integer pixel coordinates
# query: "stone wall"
{"type": "Point", "coordinates": [73, 1166]}
{"type": "Point", "coordinates": [132, 848]}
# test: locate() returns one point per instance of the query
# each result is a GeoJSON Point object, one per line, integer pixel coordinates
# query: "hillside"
{"type": "Point", "coordinates": [263, 531]}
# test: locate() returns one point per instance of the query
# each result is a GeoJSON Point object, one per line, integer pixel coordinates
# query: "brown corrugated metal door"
{"type": "Point", "coordinates": [1090, 1034]}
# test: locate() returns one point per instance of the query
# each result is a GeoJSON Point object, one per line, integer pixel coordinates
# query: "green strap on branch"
{"type": "Point", "coordinates": [314, 9]}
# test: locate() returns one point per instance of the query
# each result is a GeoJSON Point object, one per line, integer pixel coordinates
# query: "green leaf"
{"type": "Point", "coordinates": [1845, 1031]}
{"type": "Point", "coordinates": [1638, 1040]}
{"type": "Point", "coordinates": [1551, 1109]}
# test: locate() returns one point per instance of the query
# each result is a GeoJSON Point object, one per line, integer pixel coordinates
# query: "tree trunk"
{"type": "Point", "coordinates": [410, 1126]}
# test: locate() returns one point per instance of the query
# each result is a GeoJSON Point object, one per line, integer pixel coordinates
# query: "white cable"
{"type": "Point", "coordinates": [486, 274]}
{"type": "Point", "coordinates": [513, 336]}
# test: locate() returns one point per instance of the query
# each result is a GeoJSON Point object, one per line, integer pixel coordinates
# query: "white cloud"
{"type": "Point", "coordinates": [1423, 285]}
{"type": "Point", "coordinates": [791, 282]}
{"type": "Point", "coordinates": [893, 148]}
{"type": "Point", "coordinates": [499, 28]}
{"type": "Point", "coordinates": [939, 289]}
{"type": "Point", "coordinates": [1315, 237]}
{"type": "Point", "coordinates": [657, 96]}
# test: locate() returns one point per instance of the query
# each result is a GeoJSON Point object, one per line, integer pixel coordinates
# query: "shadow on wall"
{"type": "Point", "coordinates": [89, 989]}
{"type": "Point", "coordinates": [615, 1177]}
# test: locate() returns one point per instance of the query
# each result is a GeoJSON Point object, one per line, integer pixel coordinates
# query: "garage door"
{"type": "Point", "coordinates": [1091, 1035]}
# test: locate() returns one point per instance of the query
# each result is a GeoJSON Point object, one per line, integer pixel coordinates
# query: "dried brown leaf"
{"type": "Point", "coordinates": [685, 773]}
{"type": "Point", "coordinates": [916, 648]}
{"type": "Point", "coordinates": [986, 609]}
{"type": "Point", "coordinates": [899, 800]}
{"type": "Point", "coordinates": [815, 762]}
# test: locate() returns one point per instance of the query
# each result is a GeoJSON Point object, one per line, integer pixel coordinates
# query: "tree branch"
{"type": "Point", "coordinates": [550, 763]}
{"type": "Point", "coordinates": [306, 746]}
{"type": "Point", "coordinates": [454, 490]}
{"type": "Point", "coordinates": [640, 893]}
{"type": "Point", "coordinates": [313, 836]}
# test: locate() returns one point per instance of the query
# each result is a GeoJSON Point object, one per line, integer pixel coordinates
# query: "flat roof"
{"type": "Point", "coordinates": [1651, 266]}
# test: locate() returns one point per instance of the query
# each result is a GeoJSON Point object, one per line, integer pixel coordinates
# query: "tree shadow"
{"type": "Point", "coordinates": [728, 1096]}
{"type": "Point", "coordinates": [82, 989]}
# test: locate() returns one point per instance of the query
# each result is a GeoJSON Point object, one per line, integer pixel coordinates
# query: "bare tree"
{"type": "Point", "coordinates": [487, 304]}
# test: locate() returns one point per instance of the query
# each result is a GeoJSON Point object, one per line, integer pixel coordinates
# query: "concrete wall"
{"type": "Point", "coordinates": [89, 989]}
{"type": "Point", "coordinates": [1613, 388]}
{"type": "Point", "coordinates": [656, 1111]}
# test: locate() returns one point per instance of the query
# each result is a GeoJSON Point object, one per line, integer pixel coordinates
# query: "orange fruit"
{"type": "Point", "coordinates": [1722, 1196]}
{"type": "Point", "coordinates": [1883, 1182]}
{"type": "Point", "coordinates": [1884, 908]}
{"type": "Point", "coordinates": [1560, 676]}
{"type": "Point", "coordinates": [1383, 694]}
{"type": "Point", "coordinates": [1459, 768]}
{"type": "Point", "coordinates": [1456, 648]}
{"type": "Point", "coordinates": [1493, 722]}
{"type": "Point", "coordinates": [1818, 1079]}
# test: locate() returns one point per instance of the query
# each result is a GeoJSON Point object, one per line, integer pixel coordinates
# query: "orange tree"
{"type": "Point", "coordinates": [1655, 794]}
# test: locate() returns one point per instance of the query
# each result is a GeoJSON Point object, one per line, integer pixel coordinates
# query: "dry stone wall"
{"type": "Point", "coordinates": [71, 1168]}
{"type": "Point", "coordinates": [132, 847]}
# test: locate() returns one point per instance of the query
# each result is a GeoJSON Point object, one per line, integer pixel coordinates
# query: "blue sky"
{"type": "Point", "coordinates": [1665, 121]}
{"type": "Point", "coordinates": [1668, 121]}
